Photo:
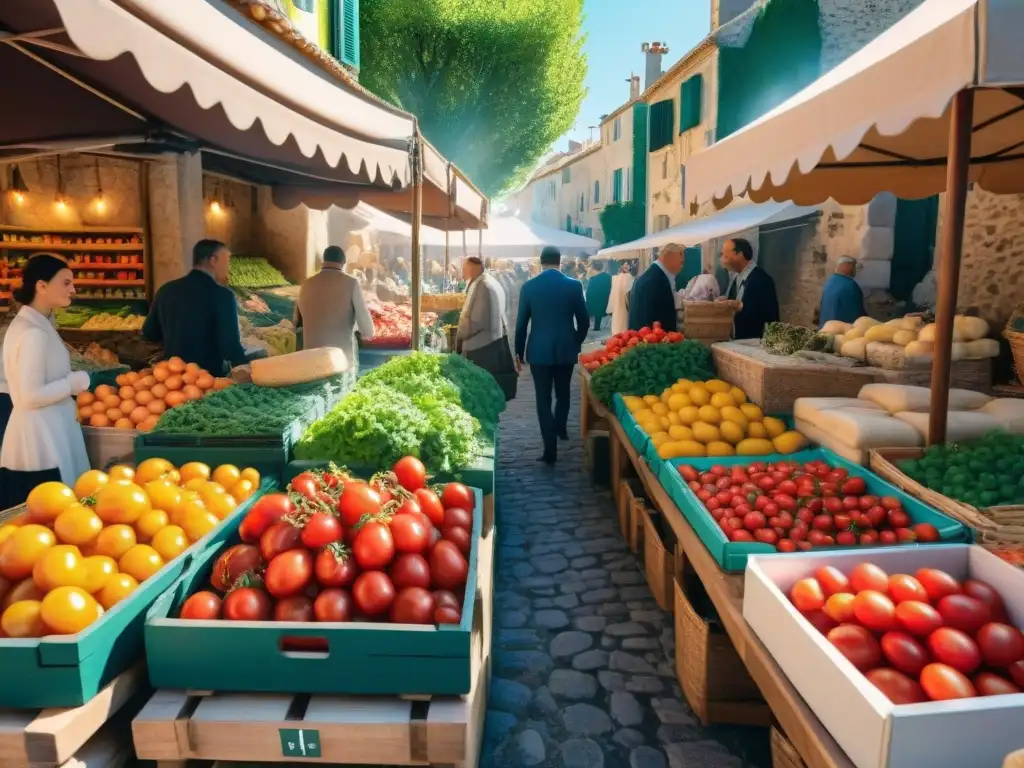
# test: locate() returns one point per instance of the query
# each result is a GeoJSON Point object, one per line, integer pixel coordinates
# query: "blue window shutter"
{"type": "Point", "coordinates": [662, 121]}
{"type": "Point", "coordinates": [346, 31]}
{"type": "Point", "coordinates": [690, 98]}
{"type": "Point", "coordinates": [597, 192]}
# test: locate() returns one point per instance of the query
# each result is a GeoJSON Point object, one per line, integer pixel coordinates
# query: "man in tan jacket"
{"type": "Point", "coordinates": [331, 308]}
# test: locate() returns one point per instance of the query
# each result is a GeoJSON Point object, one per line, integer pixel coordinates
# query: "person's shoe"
{"type": "Point", "coordinates": [549, 460]}
{"type": "Point", "coordinates": [563, 434]}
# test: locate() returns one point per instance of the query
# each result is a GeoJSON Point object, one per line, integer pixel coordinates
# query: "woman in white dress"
{"type": "Point", "coordinates": [43, 441]}
{"type": "Point", "coordinates": [622, 284]}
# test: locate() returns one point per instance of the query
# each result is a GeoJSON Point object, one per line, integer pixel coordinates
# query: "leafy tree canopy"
{"type": "Point", "coordinates": [493, 82]}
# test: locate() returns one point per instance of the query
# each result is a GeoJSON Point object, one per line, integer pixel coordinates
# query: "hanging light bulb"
{"type": "Point", "coordinates": [100, 201]}
{"type": "Point", "coordinates": [17, 188]}
{"type": "Point", "coordinates": [61, 199]}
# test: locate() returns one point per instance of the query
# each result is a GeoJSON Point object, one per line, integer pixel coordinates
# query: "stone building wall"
{"type": "Point", "coordinates": [231, 221]}
{"type": "Point", "coordinates": [848, 25]}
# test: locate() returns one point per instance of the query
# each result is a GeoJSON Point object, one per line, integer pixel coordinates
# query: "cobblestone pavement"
{"type": "Point", "coordinates": [583, 670]}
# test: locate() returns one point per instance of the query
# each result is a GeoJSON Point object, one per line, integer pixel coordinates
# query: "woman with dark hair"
{"type": "Point", "coordinates": [43, 441]}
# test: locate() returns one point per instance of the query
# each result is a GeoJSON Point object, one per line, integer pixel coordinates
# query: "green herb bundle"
{"type": "Point", "coordinates": [786, 339]}
{"type": "Point", "coordinates": [649, 368]}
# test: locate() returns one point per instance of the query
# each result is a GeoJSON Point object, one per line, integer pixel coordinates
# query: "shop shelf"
{"type": "Point", "coordinates": [284, 657]}
{"type": "Point", "coordinates": [67, 671]}
{"type": "Point", "coordinates": [110, 283]}
{"type": "Point", "coordinates": [732, 556]}
{"type": "Point", "coordinates": [71, 230]}
{"type": "Point", "coordinates": [73, 247]}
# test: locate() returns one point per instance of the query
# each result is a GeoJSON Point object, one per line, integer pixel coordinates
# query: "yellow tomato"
{"type": "Point", "coordinates": [117, 588]}
{"type": "Point", "coordinates": [198, 522]}
{"type": "Point", "coordinates": [194, 470]}
{"type": "Point", "coordinates": [98, 569]}
{"type": "Point", "coordinates": [163, 495]}
{"type": "Point", "coordinates": [23, 590]}
{"type": "Point", "coordinates": [195, 484]}
{"type": "Point", "coordinates": [23, 619]}
{"type": "Point", "coordinates": [7, 530]}
{"type": "Point", "coordinates": [121, 472]}
{"type": "Point", "coordinates": [77, 525]}
{"type": "Point", "coordinates": [140, 562]}
{"type": "Point", "coordinates": [150, 523]}
{"type": "Point", "coordinates": [152, 469]}
{"type": "Point", "coordinates": [122, 503]}
{"type": "Point", "coordinates": [115, 540]}
{"type": "Point", "coordinates": [227, 475]}
{"type": "Point", "coordinates": [69, 610]}
{"type": "Point", "coordinates": [211, 490]}
{"type": "Point", "coordinates": [221, 505]}
{"type": "Point", "coordinates": [170, 542]}
{"type": "Point", "coordinates": [60, 566]}
{"type": "Point", "coordinates": [242, 490]}
{"type": "Point", "coordinates": [252, 475]}
{"type": "Point", "coordinates": [48, 500]}
{"type": "Point", "coordinates": [88, 484]}
{"type": "Point", "coordinates": [23, 549]}
{"type": "Point", "coordinates": [174, 476]}
{"type": "Point", "coordinates": [187, 507]}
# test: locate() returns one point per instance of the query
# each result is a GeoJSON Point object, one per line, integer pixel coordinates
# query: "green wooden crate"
{"type": "Point", "coordinates": [361, 658]}
{"type": "Point", "coordinates": [67, 671]}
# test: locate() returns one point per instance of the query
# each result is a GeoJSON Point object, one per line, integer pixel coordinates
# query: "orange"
{"type": "Point", "coordinates": [115, 540]}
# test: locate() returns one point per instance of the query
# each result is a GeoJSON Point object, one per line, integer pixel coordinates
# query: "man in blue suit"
{"type": "Point", "coordinates": [552, 306]}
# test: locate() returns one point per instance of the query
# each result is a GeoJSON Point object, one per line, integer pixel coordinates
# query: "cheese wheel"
{"type": "Point", "coordinates": [299, 367]}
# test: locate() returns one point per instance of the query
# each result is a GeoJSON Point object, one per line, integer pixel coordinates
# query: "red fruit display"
{"type": "Point", "coordinates": [626, 340]}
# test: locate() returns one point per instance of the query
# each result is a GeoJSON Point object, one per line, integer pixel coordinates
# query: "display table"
{"type": "Point", "coordinates": [815, 745]}
{"type": "Point", "coordinates": [593, 415]}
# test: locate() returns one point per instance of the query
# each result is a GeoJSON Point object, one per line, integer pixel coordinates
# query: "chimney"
{"type": "Point", "coordinates": [654, 52]}
{"type": "Point", "coordinates": [574, 146]}
{"type": "Point", "coordinates": [634, 87]}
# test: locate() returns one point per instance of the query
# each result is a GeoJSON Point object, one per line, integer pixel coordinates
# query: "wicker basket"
{"type": "Point", "coordinates": [709, 321]}
{"type": "Point", "coordinates": [1013, 332]}
{"type": "Point", "coordinates": [784, 755]}
{"type": "Point", "coordinates": [629, 490]}
{"type": "Point", "coordinates": [995, 527]}
{"type": "Point", "coordinates": [441, 302]}
{"type": "Point", "coordinates": [714, 680]}
{"type": "Point", "coordinates": [7, 514]}
{"type": "Point", "coordinates": [659, 561]}
{"type": "Point", "coordinates": [635, 540]}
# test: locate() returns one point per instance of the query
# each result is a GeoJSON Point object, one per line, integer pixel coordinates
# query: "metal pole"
{"type": "Point", "coordinates": [445, 281]}
{"type": "Point", "coordinates": [417, 219]}
{"type": "Point", "coordinates": [957, 165]}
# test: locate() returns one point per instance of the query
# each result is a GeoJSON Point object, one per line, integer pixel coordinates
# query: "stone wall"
{"type": "Point", "coordinates": [231, 221]}
{"type": "Point", "coordinates": [848, 25]}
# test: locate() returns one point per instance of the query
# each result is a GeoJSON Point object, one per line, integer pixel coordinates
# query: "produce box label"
{"type": "Point", "coordinates": [300, 742]}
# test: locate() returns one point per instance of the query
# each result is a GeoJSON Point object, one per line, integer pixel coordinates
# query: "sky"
{"type": "Point", "coordinates": [615, 29]}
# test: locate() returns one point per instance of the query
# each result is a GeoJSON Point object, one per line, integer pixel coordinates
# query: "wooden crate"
{"type": "Point", "coordinates": [713, 678]}
{"type": "Point", "coordinates": [593, 415]}
{"type": "Point", "coordinates": [784, 754]}
{"type": "Point", "coordinates": [636, 525]}
{"type": "Point", "coordinates": [95, 733]}
{"type": "Point", "coordinates": [630, 490]}
{"type": "Point", "coordinates": [659, 560]}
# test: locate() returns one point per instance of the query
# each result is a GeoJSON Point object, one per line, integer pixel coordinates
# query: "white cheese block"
{"type": "Point", "coordinates": [960, 425]}
{"type": "Point", "coordinates": [820, 437]}
{"type": "Point", "coordinates": [866, 429]}
{"type": "Point", "coordinates": [896, 398]}
{"type": "Point", "coordinates": [808, 408]}
{"type": "Point", "coordinates": [1003, 408]}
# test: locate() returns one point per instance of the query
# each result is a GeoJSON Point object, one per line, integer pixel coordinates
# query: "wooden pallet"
{"type": "Point", "coordinates": [94, 734]}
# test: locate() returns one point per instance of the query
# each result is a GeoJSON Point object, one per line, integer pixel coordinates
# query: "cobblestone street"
{"type": "Point", "coordinates": [583, 670]}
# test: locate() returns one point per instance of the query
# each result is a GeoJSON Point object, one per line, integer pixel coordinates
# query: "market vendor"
{"type": "Point", "coordinates": [331, 308]}
{"type": "Point", "coordinates": [752, 287]}
{"type": "Point", "coordinates": [653, 297]}
{"type": "Point", "coordinates": [43, 441]}
{"type": "Point", "coordinates": [599, 291]}
{"type": "Point", "coordinates": [842, 298]}
{"type": "Point", "coordinates": [196, 317]}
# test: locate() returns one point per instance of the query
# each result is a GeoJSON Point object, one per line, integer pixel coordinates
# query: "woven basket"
{"type": "Point", "coordinates": [441, 302]}
{"type": "Point", "coordinates": [7, 514]}
{"type": "Point", "coordinates": [1013, 332]}
{"type": "Point", "coordinates": [629, 490]}
{"type": "Point", "coordinates": [709, 321]}
{"type": "Point", "coordinates": [637, 511]}
{"type": "Point", "coordinates": [784, 754]}
{"type": "Point", "coordinates": [659, 562]}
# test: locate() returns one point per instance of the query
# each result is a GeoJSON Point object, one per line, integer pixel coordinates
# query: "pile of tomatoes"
{"type": "Point", "coordinates": [77, 552]}
{"type": "Point", "coordinates": [626, 340]}
{"type": "Point", "coordinates": [336, 549]}
{"type": "Point", "coordinates": [916, 638]}
{"type": "Point", "coordinates": [801, 506]}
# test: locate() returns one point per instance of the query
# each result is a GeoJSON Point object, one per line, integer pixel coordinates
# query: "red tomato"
{"type": "Point", "coordinates": [1016, 671]}
{"type": "Point", "coordinates": [903, 588]}
{"type": "Point", "coordinates": [333, 605]}
{"type": "Point", "coordinates": [305, 484]}
{"type": "Point", "coordinates": [964, 613]}
{"type": "Point", "coordinates": [955, 648]}
{"type": "Point", "coordinates": [413, 605]}
{"type": "Point", "coordinates": [875, 611]}
{"type": "Point", "coordinates": [904, 653]}
{"type": "Point", "coordinates": [295, 608]}
{"type": "Point", "coordinates": [446, 599]}
{"type": "Point", "coordinates": [265, 512]}
{"type": "Point", "coordinates": [890, 502]}
{"type": "Point", "coordinates": [869, 576]}
{"type": "Point", "coordinates": [899, 688]}
{"type": "Point", "coordinates": [373, 593]}
{"type": "Point", "coordinates": [410, 571]}
{"type": "Point", "coordinates": [373, 546]}
{"type": "Point", "coordinates": [460, 537]}
{"type": "Point", "coordinates": [410, 533]}
{"type": "Point", "coordinates": [357, 499]}
{"type": "Point", "coordinates": [786, 545]}
{"type": "Point", "coordinates": [857, 645]}
{"type": "Point", "coordinates": [807, 595]}
{"type": "Point", "coordinates": [821, 621]}
{"type": "Point", "coordinates": [289, 573]}
{"type": "Point", "coordinates": [740, 534]}
{"type": "Point", "coordinates": [320, 530]}
{"type": "Point", "coordinates": [839, 607]}
{"type": "Point", "coordinates": [411, 473]}
{"type": "Point", "coordinates": [854, 486]}
{"type": "Point", "coordinates": [447, 615]}
{"type": "Point", "coordinates": [202, 606]}
{"type": "Point", "coordinates": [457, 495]}
{"type": "Point", "coordinates": [989, 684]}
{"type": "Point", "coordinates": [335, 567]}
{"type": "Point", "coordinates": [926, 532]}
{"type": "Point", "coordinates": [918, 618]}
{"type": "Point", "coordinates": [942, 682]}
{"type": "Point", "coordinates": [232, 563]}
{"type": "Point", "coordinates": [278, 538]}
{"type": "Point", "coordinates": [409, 506]}
{"type": "Point", "coordinates": [1001, 645]}
{"type": "Point", "coordinates": [431, 506]}
{"type": "Point", "coordinates": [448, 568]}
{"type": "Point", "coordinates": [937, 583]}
{"type": "Point", "coordinates": [984, 592]}
{"type": "Point", "coordinates": [688, 473]}
{"type": "Point", "coordinates": [898, 518]}
{"type": "Point", "coordinates": [457, 517]}
{"type": "Point", "coordinates": [887, 538]}
{"type": "Point", "coordinates": [247, 604]}
{"type": "Point", "coordinates": [752, 521]}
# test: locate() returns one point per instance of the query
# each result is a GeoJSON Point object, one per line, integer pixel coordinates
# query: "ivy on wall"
{"type": "Point", "coordinates": [622, 222]}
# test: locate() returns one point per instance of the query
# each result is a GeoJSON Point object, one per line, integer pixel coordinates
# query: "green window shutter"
{"type": "Point", "coordinates": [639, 188]}
{"type": "Point", "coordinates": [662, 124]}
{"type": "Point", "coordinates": [566, 175]}
{"type": "Point", "coordinates": [344, 16]}
{"type": "Point", "coordinates": [617, 186]}
{"type": "Point", "coordinates": [691, 94]}
{"type": "Point", "coordinates": [597, 192]}
{"type": "Point", "coordinates": [568, 223]}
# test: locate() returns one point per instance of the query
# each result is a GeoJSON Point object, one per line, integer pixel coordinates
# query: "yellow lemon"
{"type": "Point", "coordinates": [678, 401]}
{"type": "Point", "coordinates": [732, 413]}
{"type": "Point", "coordinates": [738, 395]}
{"type": "Point", "coordinates": [665, 423]}
{"type": "Point", "coordinates": [716, 385]}
{"type": "Point", "coordinates": [633, 403]}
{"type": "Point", "coordinates": [651, 399]}
{"type": "Point", "coordinates": [731, 432]}
{"type": "Point", "coordinates": [705, 433]}
{"type": "Point", "coordinates": [756, 429]}
{"type": "Point", "coordinates": [668, 450]}
{"type": "Point", "coordinates": [789, 442]}
{"type": "Point", "coordinates": [678, 388]}
{"type": "Point", "coordinates": [774, 426]}
{"type": "Point", "coordinates": [680, 432]}
{"type": "Point", "coordinates": [689, 448]}
{"type": "Point", "coordinates": [751, 411]}
{"type": "Point", "coordinates": [722, 400]}
{"type": "Point", "coordinates": [660, 408]}
{"type": "Point", "coordinates": [673, 417]}
{"type": "Point", "coordinates": [689, 414]}
{"type": "Point", "coordinates": [710, 414]}
{"type": "Point", "coordinates": [719, 448]}
{"type": "Point", "coordinates": [685, 384]}
{"type": "Point", "coordinates": [666, 395]}
{"type": "Point", "coordinates": [754, 447]}
{"type": "Point", "coordinates": [660, 437]}
{"type": "Point", "coordinates": [699, 395]}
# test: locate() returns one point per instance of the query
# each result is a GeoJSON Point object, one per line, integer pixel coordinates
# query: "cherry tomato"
{"type": "Point", "coordinates": [23, 549]}
{"type": "Point", "coordinates": [868, 576]}
{"type": "Point", "coordinates": [295, 608]}
{"type": "Point", "coordinates": [461, 538]}
{"type": "Point", "coordinates": [954, 648]}
{"type": "Point", "coordinates": [937, 583]}
{"type": "Point", "coordinates": [457, 517]}
{"type": "Point", "coordinates": [335, 567]}
{"type": "Point", "coordinates": [962, 612]}
{"type": "Point", "coordinates": [23, 619]}
{"type": "Point", "coordinates": [413, 605]}
{"type": "Point", "coordinates": [409, 506]}
{"type": "Point", "coordinates": [334, 605]}
{"type": "Point", "coordinates": [821, 621]}
{"type": "Point", "coordinates": [232, 563]}
{"type": "Point", "coordinates": [926, 532]}
{"type": "Point", "coordinates": [875, 611]}
{"type": "Point", "coordinates": [60, 566]}
{"type": "Point", "coordinates": [278, 538]}
{"type": "Point", "coordinates": [941, 682]}
{"type": "Point", "coordinates": [69, 610]}
{"type": "Point", "coordinates": [1016, 671]}
{"type": "Point", "coordinates": [289, 573]}
{"type": "Point", "coordinates": [447, 615]}
{"type": "Point", "coordinates": [410, 570]}
{"type": "Point", "coordinates": [839, 607]}
{"type": "Point", "coordinates": [373, 592]}
{"type": "Point", "coordinates": [306, 484]}
{"type": "Point", "coordinates": [904, 653]}
{"type": "Point", "coordinates": [903, 588]}
{"type": "Point", "coordinates": [267, 511]}
{"type": "Point", "coordinates": [357, 499]}
{"type": "Point", "coordinates": [320, 530]}
{"type": "Point", "coordinates": [457, 495]}
{"type": "Point", "coordinates": [446, 599]}
{"type": "Point", "coordinates": [202, 606]}
{"type": "Point", "coordinates": [979, 590]}
{"type": "Point", "coordinates": [858, 645]}
{"type": "Point", "coordinates": [373, 546]}
{"type": "Point", "coordinates": [1001, 645]}
{"type": "Point", "coordinates": [918, 618]}
{"type": "Point", "coordinates": [411, 473]}
{"type": "Point", "coordinates": [410, 532]}
{"type": "Point", "coordinates": [118, 587]}
{"type": "Point", "coordinates": [899, 688]}
{"type": "Point", "coordinates": [807, 595]}
{"type": "Point", "coordinates": [989, 684]}
{"type": "Point", "coordinates": [431, 506]}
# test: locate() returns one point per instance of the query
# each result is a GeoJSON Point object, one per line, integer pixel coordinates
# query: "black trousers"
{"type": "Point", "coordinates": [597, 322]}
{"type": "Point", "coordinates": [546, 378]}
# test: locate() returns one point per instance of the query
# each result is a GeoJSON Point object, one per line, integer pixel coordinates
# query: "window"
{"type": "Point", "coordinates": [568, 223]}
{"type": "Point", "coordinates": [566, 175]}
{"type": "Point", "coordinates": [617, 129]}
{"type": "Point", "coordinates": [617, 185]}
{"type": "Point", "coordinates": [662, 121]}
{"type": "Point", "coordinates": [690, 97]}
{"type": "Point", "coordinates": [660, 222]}
{"type": "Point", "coordinates": [597, 192]}
{"type": "Point", "coordinates": [629, 184]}
{"type": "Point", "coordinates": [581, 200]}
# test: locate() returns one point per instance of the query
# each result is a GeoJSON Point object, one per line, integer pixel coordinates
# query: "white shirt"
{"type": "Point", "coordinates": [703, 287]}
{"type": "Point", "coordinates": [741, 280]}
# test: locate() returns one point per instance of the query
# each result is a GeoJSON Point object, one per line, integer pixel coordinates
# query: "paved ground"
{"type": "Point", "coordinates": [583, 671]}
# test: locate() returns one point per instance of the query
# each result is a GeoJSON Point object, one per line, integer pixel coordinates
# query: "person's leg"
{"type": "Point", "coordinates": [542, 382]}
{"type": "Point", "coordinates": [563, 386]}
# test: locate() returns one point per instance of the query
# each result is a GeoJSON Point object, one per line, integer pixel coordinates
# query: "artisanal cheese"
{"type": "Point", "coordinates": [957, 351]}
{"type": "Point", "coordinates": [299, 367]}
{"type": "Point", "coordinates": [808, 408]}
{"type": "Point", "coordinates": [896, 398]}
{"type": "Point", "coordinates": [863, 323]}
{"type": "Point", "coordinates": [839, 340]}
{"type": "Point", "coordinates": [960, 425]}
{"type": "Point", "coordinates": [835, 327]}
{"type": "Point", "coordinates": [1004, 408]}
{"type": "Point", "coordinates": [928, 333]}
{"type": "Point", "coordinates": [981, 348]}
{"type": "Point", "coordinates": [856, 349]}
{"type": "Point", "coordinates": [971, 328]}
{"type": "Point", "coordinates": [902, 338]}
{"type": "Point", "coordinates": [919, 349]}
{"type": "Point", "coordinates": [884, 332]}
{"type": "Point", "coordinates": [868, 429]}
{"type": "Point", "coordinates": [854, 333]}
{"type": "Point", "coordinates": [821, 437]}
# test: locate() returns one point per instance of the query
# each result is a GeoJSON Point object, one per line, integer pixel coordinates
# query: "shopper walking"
{"type": "Point", "coordinates": [550, 329]}
{"type": "Point", "coordinates": [618, 301]}
{"type": "Point", "coordinates": [43, 441]}
{"type": "Point", "coordinates": [331, 308]}
{"type": "Point", "coordinates": [483, 334]}
{"type": "Point", "coordinates": [599, 291]}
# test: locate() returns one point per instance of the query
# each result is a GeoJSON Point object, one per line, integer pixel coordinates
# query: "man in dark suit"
{"type": "Point", "coordinates": [653, 296]}
{"type": "Point", "coordinates": [552, 307]}
{"type": "Point", "coordinates": [752, 286]}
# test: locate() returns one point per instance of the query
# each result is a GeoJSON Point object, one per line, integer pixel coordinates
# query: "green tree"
{"type": "Point", "coordinates": [493, 82]}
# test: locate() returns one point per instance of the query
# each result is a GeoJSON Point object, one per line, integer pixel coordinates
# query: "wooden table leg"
{"type": "Point", "coordinates": [617, 458]}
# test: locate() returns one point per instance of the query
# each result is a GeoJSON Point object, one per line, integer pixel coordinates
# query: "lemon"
{"type": "Point", "coordinates": [660, 408]}
{"type": "Point", "coordinates": [665, 423]}
{"type": "Point", "coordinates": [666, 395]}
{"type": "Point", "coordinates": [722, 400]}
{"type": "Point", "coordinates": [651, 399]}
{"type": "Point", "coordinates": [678, 388]}
{"type": "Point", "coordinates": [731, 432]}
{"type": "Point", "coordinates": [732, 413]}
{"type": "Point", "coordinates": [699, 395]}
{"type": "Point", "coordinates": [756, 429]}
{"type": "Point", "coordinates": [738, 395]}
{"type": "Point", "coordinates": [688, 414]}
{"type": "Point", "coordinates": [751, 411]}
{"type": "Point", "coordinates": [705, 433]}
{"type": "Point", "coordinates": [660, 437]}
{"type": "Point", "coordinates": [678, 401]}
{"type": "Point", "coordinates": [633, 403]}
{"type": "Point", "coordinates": [688, 448]}
{"type": "Point", "coordinates": [710, 414]}
{"type": "Point", "coordinates": [718, 448]}
{"type": "Point", "coordinates": [679, 432]}
{"type": "Point", "coordinates": [774, 426]}
{"type": "Point", "coordinates": [789, 442]}
{"type": "Point", "coordinates": [673, 417]}
{"type": "Point", "coordinates": [754, 447]}
{"type": "Point", "coordinates": [685, 384]}
{"type": "Point", "coordinates": [716, 385]}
